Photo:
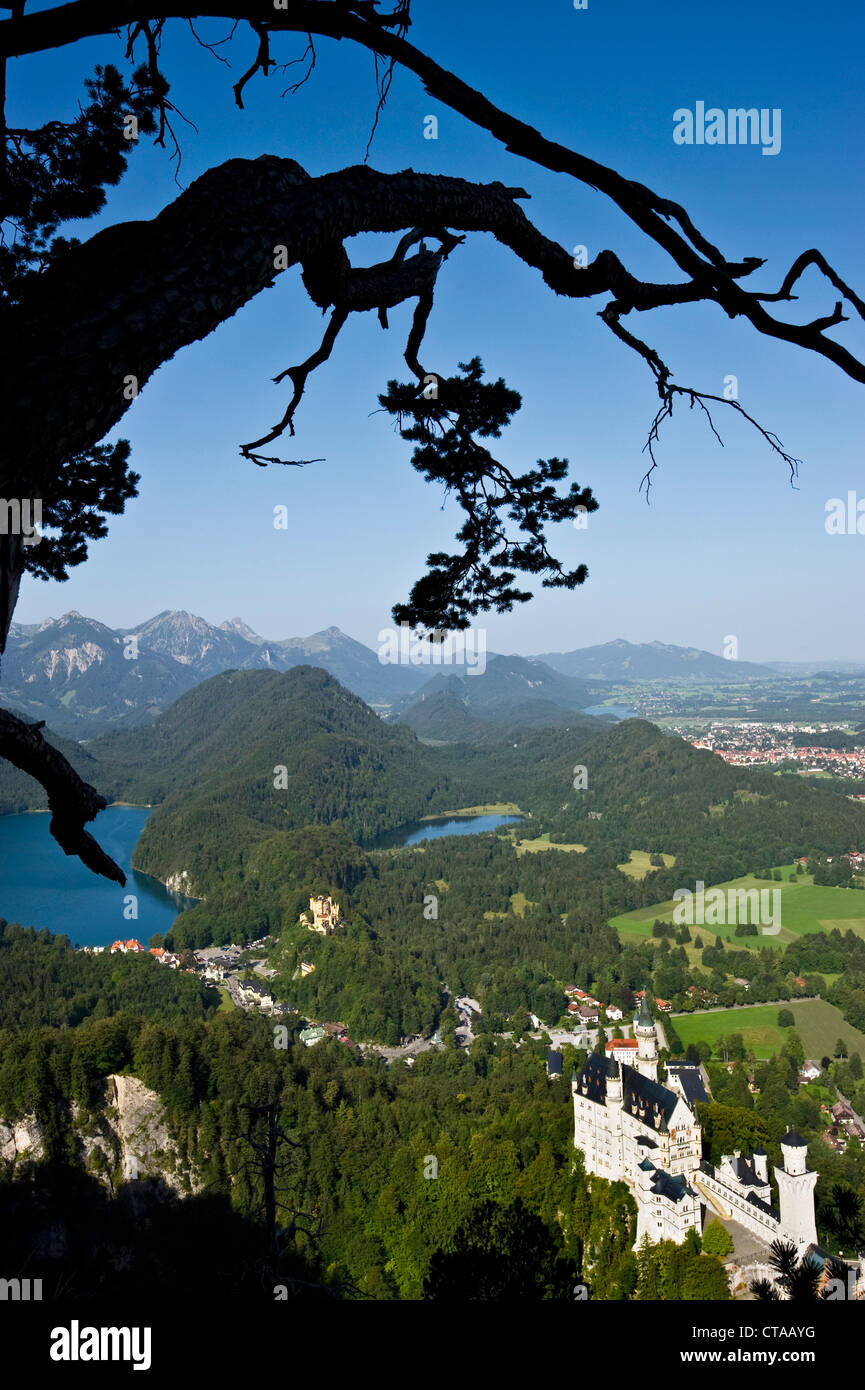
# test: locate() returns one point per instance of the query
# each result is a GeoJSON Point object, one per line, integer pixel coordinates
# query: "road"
{"type": "Point", "coordinates": [857, 1118]}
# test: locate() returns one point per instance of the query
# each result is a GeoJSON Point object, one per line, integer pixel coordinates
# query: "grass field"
{"type": "Point", "coordinates": [542, 843]}
{"type": "Point", "coordinates": [495, 808]}
{"type": "Point", "coordinates": [818, 1024]}
{"type": "Point", "coordinates": [804, 908]}
{"type": "Point", "coordinates": [638, 864]}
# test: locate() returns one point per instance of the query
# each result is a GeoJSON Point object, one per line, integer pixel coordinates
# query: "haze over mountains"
{"type": "Point", "coordinates": [648, 661]}
{"type": "Point", "coordinates": [83, 677]}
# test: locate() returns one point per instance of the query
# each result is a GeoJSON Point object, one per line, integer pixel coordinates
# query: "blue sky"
{"type": "Point", "coordinates": [726, 546]}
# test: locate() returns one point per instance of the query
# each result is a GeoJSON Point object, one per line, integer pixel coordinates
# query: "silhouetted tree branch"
{"type": "Point", "coordinates": [91, 323]}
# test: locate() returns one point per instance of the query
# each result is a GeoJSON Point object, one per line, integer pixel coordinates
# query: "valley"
{"type": "Point", "coordinates": [497, 912]}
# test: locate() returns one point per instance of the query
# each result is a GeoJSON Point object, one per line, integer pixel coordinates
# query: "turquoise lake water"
{"type": "Point", "coordinates": [40, 886]}
{"type": "Point", "coordinates": [419, 831]}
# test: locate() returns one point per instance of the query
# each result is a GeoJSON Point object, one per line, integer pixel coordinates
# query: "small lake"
{"type": "Point", "coordinates": [40, 886]}
{"type": "Point", "coordinates": [617, 711]}
{"type": "Point", "coordinates": [416, 832]}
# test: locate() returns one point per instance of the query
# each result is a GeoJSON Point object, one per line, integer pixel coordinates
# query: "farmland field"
{"type": "Point", "coordinates": [804, 908]}
{"type": "Point", "coordinates": [818, 1024]}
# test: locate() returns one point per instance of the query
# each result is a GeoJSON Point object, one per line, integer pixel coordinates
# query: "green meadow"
{"type": "Point", "coordinates": [818, 1024]}
{"type": "Point", "coordinates": [543, 842]}
{"type": "Point", "coordinates": [804, 908]}
{"type": "Point", "coordinates": [639, 865]}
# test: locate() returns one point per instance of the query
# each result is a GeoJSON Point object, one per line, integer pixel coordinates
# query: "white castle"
{"type": "Point", "coordinates": [632, 1129]}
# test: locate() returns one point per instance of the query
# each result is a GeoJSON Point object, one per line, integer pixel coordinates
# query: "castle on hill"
{"type": "Point", "coordinates": [325, 916]}
{"type": "Point", "coordinates": [633, 1129]}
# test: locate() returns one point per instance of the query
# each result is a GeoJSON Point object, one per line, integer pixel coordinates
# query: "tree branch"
{"type": "Point", "coordinates": [73, 801]}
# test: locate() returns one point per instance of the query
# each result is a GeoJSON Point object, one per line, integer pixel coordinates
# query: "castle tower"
{"type": "Point", "coordinates": [646, 1060]}
{"type": "Point", "coordinates": [796, 1192]}
{"type": "Point", "coordinates": [614, 1119]}
{"type": "Point", "coordinates": [761, 1164]}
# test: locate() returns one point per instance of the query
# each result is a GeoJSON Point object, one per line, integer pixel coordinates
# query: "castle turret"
{"type": "Point", "coordinates": [761, 1164]}
{"type": "Point", "coordinates": [614, 1084]}
{"type": "Point", "coordinates": [796, 1192]}
{"type": "Point", "coordinates": [613, 1106]}
{"type": "Point", "coordinates": [646, 1060]}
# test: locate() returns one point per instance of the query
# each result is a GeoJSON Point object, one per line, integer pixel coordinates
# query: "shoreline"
{"type": "Point", "coordinates": [46, 810]}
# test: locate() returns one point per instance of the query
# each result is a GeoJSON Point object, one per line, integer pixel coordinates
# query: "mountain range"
{"type": "Point", "coordinates": [648, 661]}
{"type": "Point", "coordinates": [82, 677]}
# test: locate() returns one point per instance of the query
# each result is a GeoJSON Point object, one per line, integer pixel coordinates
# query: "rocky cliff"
{"type": "Point", "coordinates": [125, 1139]}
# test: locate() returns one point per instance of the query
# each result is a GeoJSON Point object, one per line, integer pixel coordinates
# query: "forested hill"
{"type": "Point", "coordinates": [248, 753]}
{"type": "Point", "coordinates": [252, 751]}
{"type": "Point", "coordinates": [647, 791]}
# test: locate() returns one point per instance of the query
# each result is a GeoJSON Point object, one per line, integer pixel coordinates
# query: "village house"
{"type": "Point", "coordinates": [809, 1072]}
{"type": "Point", "coordinates": [164, 957]}
{"type": "Point", "coordinates": [613, 1012]}
{"type": "Point", "coordinates": [256, 992]}
{"type": "Point", "coordinates": [126, 947]}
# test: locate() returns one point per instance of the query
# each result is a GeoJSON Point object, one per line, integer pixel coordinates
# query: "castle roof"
{"type": "Point", "coordinates": [690, 1081]}
{"type": "Point", "coordinates": [764, 1207]}
{"type": "Point", "coordinates": [745, 1172]}
{"type": "Point", "coordinates": [794, 1140]}
{"type": "Point", "coordinates": [665, 1184]}
{"type": "Point", "coordinates": [643, 1098]}
{"type": "Point", "coordinates": [644, 1018]}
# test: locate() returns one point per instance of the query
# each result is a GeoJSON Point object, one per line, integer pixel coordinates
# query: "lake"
{"type": "Point", "coordinates": [418, 831]}
{"type": "Point", "coordinates": [617, 711]}
{"type": "Point", "coordinates": [40, 886]}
